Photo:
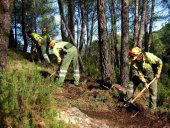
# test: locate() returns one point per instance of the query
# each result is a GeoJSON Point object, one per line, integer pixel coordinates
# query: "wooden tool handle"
{"type": "Point", "coordinates": [140, 93]}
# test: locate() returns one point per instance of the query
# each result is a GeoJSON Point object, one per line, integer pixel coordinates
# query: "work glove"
{"type": "Point", "coordinates": [157, 76]}
{"type": "Point", "coordinates": [59, 60]}
{"type": "Point", "coordinates": [146, 85]}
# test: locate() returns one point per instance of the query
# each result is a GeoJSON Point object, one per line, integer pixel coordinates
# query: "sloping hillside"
{"type": "Point", "coordinates": [29, 97]}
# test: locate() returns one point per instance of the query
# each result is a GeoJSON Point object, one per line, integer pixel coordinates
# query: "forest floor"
{"type": "Point", "coordinates": [103, 104]}
{"type": "Point", "coordinates": [95, 101]}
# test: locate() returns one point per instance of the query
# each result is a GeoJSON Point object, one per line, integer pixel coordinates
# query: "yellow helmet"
{"type": "Point", "coordinates": [135, 52]}
{"type": "Point", "coordinates": [52, 43]}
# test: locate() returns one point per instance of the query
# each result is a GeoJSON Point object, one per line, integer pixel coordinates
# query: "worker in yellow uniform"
{"type": "Point", "coordinates": [144, 67]}
{"type": "Point", "coordinates": [40, 44]}
{"type": "Point", "coordinates": [70, 56]}
{"type": "Point", "coordinates": [46, 36]}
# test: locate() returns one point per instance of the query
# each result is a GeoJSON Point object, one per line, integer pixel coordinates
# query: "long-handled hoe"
{"type": "Point", "coordinates": [131, 102]}
{"type": "Point", "coordinates": [52, 74]}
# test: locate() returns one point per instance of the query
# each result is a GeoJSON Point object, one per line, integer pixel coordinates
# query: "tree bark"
{"type": "Point", "coordinates": [69, 32]}
{"type": "Point", "coordinates": [114, 33]}
{"type": "Point", "coordinates": [113, 54]}
{"type": "Point", "coordinates": [146, 29]}
{"type": "Point", "coordinates": [15, 18]}
{"type": "Point", "coordinates": [11, 39]}
{"type": "Point", "coordinates": [104, 46]}
{"type": "Point", "coordinates": [124, 70]}
{"type": "Point", "coordinates": [87, 28]}
{"type": "Point", "coordinates": [150, 27]}
{"type": "Point", "coordinates": [5, 17]}
{"type": "Point", "coordinates": [63, 33]}
{"type": "Point", "coordinates": [136, 23]}
{"type": "Point", "coordinates": [71, 17]}
{"type": "Point", "coordinates": [91, 29]}
{"type": "Point", "coordinates": [23, 27]}
{"type": "Point", "coordinates": [141, 31]}
{"type": "Point", "coordinates": [35, 16]}
{"type": "Point", "coordinates": [83, 21]}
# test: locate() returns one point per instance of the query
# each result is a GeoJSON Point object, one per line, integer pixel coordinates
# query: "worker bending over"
{"type": "Point", "coordinates": [71, 55]}
{"type": "Point", "coordinates": [144, 67]}
{"type": "Point", "coordinates": [40, 44]}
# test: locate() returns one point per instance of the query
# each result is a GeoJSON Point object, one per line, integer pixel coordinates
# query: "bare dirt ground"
{"type": "Point", "coordinates": [103, 105]}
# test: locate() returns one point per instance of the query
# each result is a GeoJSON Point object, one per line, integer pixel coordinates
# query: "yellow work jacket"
{"type": "Point", "coordinates": [60, 46]}
{"type": "Point", "coordinates": [37, 38]}
{"type": "Point", "coordinates": [46, 36]}
{"type": "Point", "coordinates": [148, 60]}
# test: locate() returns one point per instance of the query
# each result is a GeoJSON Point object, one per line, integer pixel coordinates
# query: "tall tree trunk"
{"type": "Point", "coordinates": [35, 16]}
{"type": "Point", "coordinates": [114, 32]}
{"type": "Point", "coordinates": [104, 46]}
{"type": "Point", "coordinates": [83, 21]}
{"type": "Point", "coordinates": [71, 17]}
{"type": "Point", "coordinates": [23, 27]}
{"type": "Point", "coordinates": [124, 70]}
{"type": "Point", "coordinates": [77, 23]}
{"type": "Point", "coordinates": [141, 31]}
{"type": "Point", "coordinates": [150, 27]}
{"type": "Point", "coordinates": [11, 39]}
{"type": "Point", "coordinates": [63, 33]}
{"type": "Point", "coordinates": [87, 28]}
{"type": "Point", "coordinates": [91, 29]}
{"type": "Point", "coordinates": [113, 54]}
{"type": "Point", "coordinates": [15, 18]}
{"type": "Point", "coordinates": [69, 32]}
{"type": "Point", "coordinates": [136, 23]}
{"type": "Point", "coordinates": [146, 30]}
{"type": "Point", "coordinates": [5, 17]}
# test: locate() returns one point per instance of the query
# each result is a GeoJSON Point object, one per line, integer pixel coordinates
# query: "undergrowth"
{"type": "Point", "coordinates": [26, 98]}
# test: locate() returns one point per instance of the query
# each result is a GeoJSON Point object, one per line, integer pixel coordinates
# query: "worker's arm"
{"type": "Point", "coordinates": [43, 49]}
{"type": "Point", "coordinates": [138, 73]}
{"type": "Point", "coordinates": [159, 68]}
{"type": "Point", "coordinates": [155, 60]}
{"type": "Point", "coordinates": [48, 38]}
{"type": "Point", "coordinates": [56, 52]}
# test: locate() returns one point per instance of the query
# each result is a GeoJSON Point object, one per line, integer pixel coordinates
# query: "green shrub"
{"type": "Point", "coordinates": [163, 96]}
{"type": "Point", "coordinates": [26, 99]}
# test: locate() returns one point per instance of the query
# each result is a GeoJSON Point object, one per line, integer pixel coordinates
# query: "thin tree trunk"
{"type": "Point", "coordinates": [71, 17]}
{"type": "Point", "coordinates": [35, 17]}
{"type": "Point", "coordinates": [87, 28]}
{"type": "Point", "coordinates": [63, 33]}
{"type": "Point", "coordinates": [102, 31]}
{"type": "Point", "coordinates": [141, 31]}
{"type": "Point", "coordinates": [15, 18]}
{"type": "Point", "coordinates": [151, 26]}
{"type": "Point", "coordinates": [124, 70]}
{"type": "Point", "coordinates": [77, 23]}
{"type": "Point", "coordinates": [114, 31]}
{"type": "Point", "coordinates": [136, 23]}
{"type": "Point", "coordinates": [146, 30]}
{"type": "Point", "coordinates": [83, 21]}
{"type": "Point", "coordinates": [91, 30]}
{"type": "Point", "coordinates": [11, 39]}
{"type": "Point", "coordinates": [68, 30]}
{"type": "Point", "coordinates": [23, 27]}
{"type": "Point", "coordinates": [5, 18]}
{"type": "Point", "coordinates": [113, 55]}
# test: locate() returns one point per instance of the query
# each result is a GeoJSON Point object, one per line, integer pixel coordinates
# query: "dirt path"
{"type": "Point", "coordinates": [102, 105]}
